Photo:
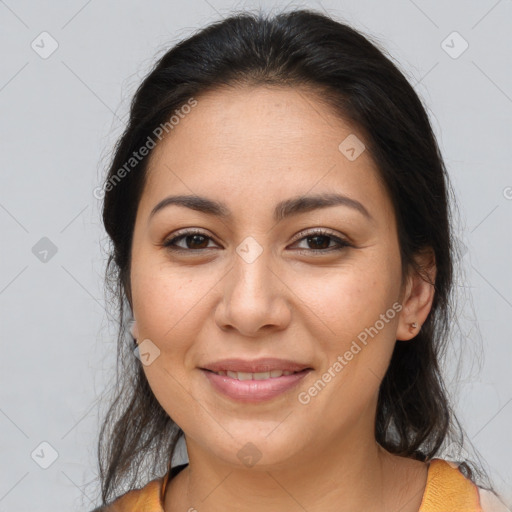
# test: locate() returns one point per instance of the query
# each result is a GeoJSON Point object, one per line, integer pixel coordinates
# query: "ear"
{"type": "Point", "coordinates": [134, 329]}
{"type": "Point", "coordinates": [417, 296]}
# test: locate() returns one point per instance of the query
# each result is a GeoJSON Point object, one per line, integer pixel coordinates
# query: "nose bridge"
{"type": "Point", "coordinates": [252, 298]}
{"type": "Point", "coordinates": [252, 276]}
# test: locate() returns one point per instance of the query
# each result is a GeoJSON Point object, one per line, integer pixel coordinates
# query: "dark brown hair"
{"type": "Point", "coordinates": [301, 48]}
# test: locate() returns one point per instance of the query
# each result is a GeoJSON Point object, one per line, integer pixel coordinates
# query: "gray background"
{"type": "Point", "coordinates": [60, 117]}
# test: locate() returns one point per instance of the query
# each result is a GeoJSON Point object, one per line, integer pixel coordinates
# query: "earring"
{"type": "Point", "coordinates": [413, 326]}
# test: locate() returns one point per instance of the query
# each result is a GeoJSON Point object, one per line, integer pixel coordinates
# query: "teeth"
{"type": "Point", "coordinates": [254, 376]}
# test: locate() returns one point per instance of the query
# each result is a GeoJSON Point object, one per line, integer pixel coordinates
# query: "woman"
{"type": "Point", "coordinates": [280, 221]}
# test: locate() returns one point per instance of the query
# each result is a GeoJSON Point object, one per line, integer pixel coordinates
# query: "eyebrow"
{"type": "Point", "coordinates": [284, 209]}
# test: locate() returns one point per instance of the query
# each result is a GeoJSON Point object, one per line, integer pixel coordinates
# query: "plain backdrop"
{"type": "Point", "coordinates": [68, 71]}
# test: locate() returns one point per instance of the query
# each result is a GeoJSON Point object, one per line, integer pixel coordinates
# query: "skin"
{"type": "Point", "coordinates": [251, 148]}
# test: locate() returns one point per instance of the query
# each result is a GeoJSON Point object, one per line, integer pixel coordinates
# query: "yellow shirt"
{"type": "Point", "coordinates": [447, 490]}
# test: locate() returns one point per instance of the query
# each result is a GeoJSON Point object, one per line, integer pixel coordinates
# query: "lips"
{"type": "Point", "coordinates": [254, 381]}
{"type": "Point", "coordinates": [253, 391]}
{"type": "Point", "coordinates": [257, 368]}
{"type": "Point", "coordinates": [274, 374]}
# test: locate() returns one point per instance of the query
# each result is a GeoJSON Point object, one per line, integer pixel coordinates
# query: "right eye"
{"type": "Point", "coordinates": [194, 241]}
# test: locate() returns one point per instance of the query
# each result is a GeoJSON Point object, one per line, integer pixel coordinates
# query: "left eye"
{"type": "Point", "coordinates": [196, 241]}
{"type": "Point", "coordinates": [321, 241]}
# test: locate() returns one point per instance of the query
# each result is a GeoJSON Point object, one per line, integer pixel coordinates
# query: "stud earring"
{"type": "Point", "coordinates": [413, 326]}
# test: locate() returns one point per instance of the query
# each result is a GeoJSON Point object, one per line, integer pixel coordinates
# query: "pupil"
{"type": "Point", "coordinates": [316, 237]}
{"type": "Point", "coordinates": [195, 239]}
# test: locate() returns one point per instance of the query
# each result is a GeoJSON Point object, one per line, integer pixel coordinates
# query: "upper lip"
{"type": "Point", "coordinates": [256, 366]}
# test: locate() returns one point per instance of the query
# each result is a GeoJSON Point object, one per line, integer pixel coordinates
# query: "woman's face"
{"type": "Point", "coordinates": [260, 282]}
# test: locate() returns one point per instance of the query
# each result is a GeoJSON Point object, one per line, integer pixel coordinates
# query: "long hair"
{"type": "Point", "coordinates": [354, 77]}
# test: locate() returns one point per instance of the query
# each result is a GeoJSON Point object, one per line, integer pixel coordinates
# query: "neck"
{"type": "Point", "coordinates": [347, 476]}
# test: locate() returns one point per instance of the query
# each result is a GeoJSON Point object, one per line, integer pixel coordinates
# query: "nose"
{"type": "Point", "coordinates": [255, 297]}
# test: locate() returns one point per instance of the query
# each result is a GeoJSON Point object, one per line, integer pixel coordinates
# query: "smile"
{"type": "Point", "coordinates": [254, 376]}
{"type": "Point", "coordinates": [253, 387]}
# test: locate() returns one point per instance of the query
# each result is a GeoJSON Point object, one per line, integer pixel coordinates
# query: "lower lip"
{"type": "Point", "coordinates": [254, 390]}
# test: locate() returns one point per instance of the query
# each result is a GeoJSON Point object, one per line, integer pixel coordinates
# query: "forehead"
{"type": "Point", "coordinates": [264, 141]}
{"type": "Point", "coordinates": [249, 119]}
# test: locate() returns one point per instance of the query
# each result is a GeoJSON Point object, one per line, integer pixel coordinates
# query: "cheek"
{"type": "Point", "coordinates": [348, 299]}
{"type": "Point", "coordinates": [354, 320]}
{"type": "Point", "coordinates": [169, 312]}
{"type": "Point", "coordinates": [167, 300]}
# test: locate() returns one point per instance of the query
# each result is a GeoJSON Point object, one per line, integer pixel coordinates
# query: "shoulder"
{"type": "Point", "coordinates": [448, 489]}
{"type": "Point", "coordinates": [145, 499]}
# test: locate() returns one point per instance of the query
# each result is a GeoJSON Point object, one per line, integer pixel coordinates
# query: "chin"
{"type": "Point", "coordinates": [261, 452]}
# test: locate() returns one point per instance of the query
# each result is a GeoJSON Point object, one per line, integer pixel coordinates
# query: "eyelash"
{"type": "Point", "coordinates": [342, 244]}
